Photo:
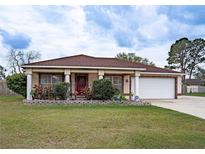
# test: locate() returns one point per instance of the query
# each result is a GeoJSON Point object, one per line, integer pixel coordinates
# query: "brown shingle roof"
{"type": "Point", "coordinates": [88, 61]}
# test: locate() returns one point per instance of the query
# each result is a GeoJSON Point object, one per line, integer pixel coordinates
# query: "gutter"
{"type": "Point", "coordinates": [84, 67]}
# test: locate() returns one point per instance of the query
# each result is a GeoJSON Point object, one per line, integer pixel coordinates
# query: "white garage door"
{"type": "Point", "coordinates": [156, 88]}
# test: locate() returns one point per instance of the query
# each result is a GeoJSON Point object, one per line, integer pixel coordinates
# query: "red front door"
{"type": "Point", "coordinates": [81, 82]}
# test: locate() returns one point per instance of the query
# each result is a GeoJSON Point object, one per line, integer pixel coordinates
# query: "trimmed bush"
{"type": "Point", "coordinates": [61, 90]}
{"type": "Point", "coordinates": [103, 89]}
{"type": "Point", "coordinates": [17, 83]}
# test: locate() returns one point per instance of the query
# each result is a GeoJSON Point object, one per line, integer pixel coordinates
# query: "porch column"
{"type": "Point", "coordinates": [136, 83]}
{"type": "Point", "coordinates": [100, 74]}
{"type": "Point", "coordinates": [67, 75]}
{"type": "Point", "coordinates": [67, 80]}
{"type": "Point", "coordinates": [29, 84]}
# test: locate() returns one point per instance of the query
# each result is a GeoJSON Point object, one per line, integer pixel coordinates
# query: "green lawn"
{"type": "Point", "coordinates": [196, 94]}
{"type": "Point", "coordinates": [94, 126]}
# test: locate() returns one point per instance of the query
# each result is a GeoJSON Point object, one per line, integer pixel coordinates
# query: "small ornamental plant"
{"type": "Point", "coordinates": [59, 91]}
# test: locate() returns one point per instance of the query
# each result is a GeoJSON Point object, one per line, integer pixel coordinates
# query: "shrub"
{"type": "Point", "coordinates": [103, 89]}
{"type": "Point", "coordinates": [61, 90]}
{"type": "Point", "coordinates": [17, 83]}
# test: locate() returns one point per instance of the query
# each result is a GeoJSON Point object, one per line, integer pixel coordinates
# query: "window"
{"type": "Point", "coordinates": [49, 79]}
{"type": "Point", "coordinates": [116, 81]}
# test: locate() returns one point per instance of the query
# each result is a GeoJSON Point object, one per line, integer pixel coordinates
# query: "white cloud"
{"type": "Point", "coordinates": [73, 34]}
{"type": "Point", "coordinates": [158, 53]}
{"type": "Point", "coordinates": [155, 30]}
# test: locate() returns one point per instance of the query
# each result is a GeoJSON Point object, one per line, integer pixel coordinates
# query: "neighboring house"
{"type": "Point", "coordinates": [147, 82]}
{"type": "Point", "coordinates": [195, 85]}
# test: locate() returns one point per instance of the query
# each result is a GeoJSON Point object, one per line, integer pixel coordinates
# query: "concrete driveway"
{"type": "Point", "coordinates": [186, 104]}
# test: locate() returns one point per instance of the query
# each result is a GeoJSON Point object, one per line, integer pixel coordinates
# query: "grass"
{"type": "Point", "coordinates": [95, 126]}
{"type": "Point", "coordinates": [196, 94]}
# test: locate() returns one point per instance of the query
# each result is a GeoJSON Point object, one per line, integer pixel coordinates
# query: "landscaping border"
{"type": "Point", "coordinates": [70, 102]}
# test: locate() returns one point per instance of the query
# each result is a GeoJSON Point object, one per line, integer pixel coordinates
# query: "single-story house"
{"type": "Point", "coordinates": [195, 85]}
{"type": "Point", "coordinates": [147, 82]}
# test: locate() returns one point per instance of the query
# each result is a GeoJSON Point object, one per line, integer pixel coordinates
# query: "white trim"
{"type": "Point", "coordinates": [67, 71]}
{"type": "Point", "coordinates": [137, 73]}
{"type": "Point", "coordinates": [109, 68]}
{"type": "Point", "coordinates": [28, 71]}
{"type": "Point", "coordinates": [101, 72]}
{"type": "Point", "coordinates": [134, 86]}
{"type": "Point", "coordinates": [83, 71]}
{"type": "Point", "coordinates": [67, 78]}
{"type": "Point", "coordinates": [29, 87]}
{"type": "Point", "coordinates": [160, 73]}
{"type": "Point", "coordinates": [119, 72]}
{"type": "Point", "coordinates": [100, 77]}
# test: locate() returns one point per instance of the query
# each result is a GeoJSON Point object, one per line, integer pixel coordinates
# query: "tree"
{"type": "Point", "coordinates": [169, 67]}
{"type": "Point", "coordinates": [199, 73]}
{"type": "Point", "coordinates": [133, 58]}
{"type": "Point", "coordinates": [185, 55]}
{"type": "Point", "coordinates": [197, 55]}
{"type": "Point", "coordinates": [2, 72]}
{"type": "Point", "coordinates": [31, 56]}
{"type": "Point", "coordinates": [179, 54]}
{"type": "Point", "coordinates": [16, 58]}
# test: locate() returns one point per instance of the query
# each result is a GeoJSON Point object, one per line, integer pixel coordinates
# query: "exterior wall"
{"type": "Point", "coordinates": [91, 78]}
{"type": "Point", "coordinates": [179, 85]}
{"type": "Point", "coordinates": [35, 79]}
{"type": "Point", "coordinates": [93, 74]}
{"type": "Point", "coordinates": [118, 72]}
{"type": "Point", "coordinates": [73, 82]}
{"type": "Point", "coordinates": [84, 70]}
{"type": "Point", "coordinates": [126, 86]}
{"type": "Point", "coordinates": [48, 70]}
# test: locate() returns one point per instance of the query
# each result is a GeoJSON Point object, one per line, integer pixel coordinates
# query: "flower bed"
{"type": "Point", "coordinates": [69, 102]}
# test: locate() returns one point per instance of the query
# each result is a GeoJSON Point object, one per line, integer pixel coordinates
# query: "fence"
{"type": "Point", "coordinates": [4, 90]}
{"type": "Point", "coordinates": [195, 89]}
{"type": "Point", "coordinates": [201, 89]}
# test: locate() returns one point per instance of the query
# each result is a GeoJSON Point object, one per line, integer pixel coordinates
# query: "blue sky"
{"type": "Point", "coordinates": [57, 31]}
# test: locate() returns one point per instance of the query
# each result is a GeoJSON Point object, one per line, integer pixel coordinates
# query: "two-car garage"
{"type": "Point", "coordinates": [156, 87]}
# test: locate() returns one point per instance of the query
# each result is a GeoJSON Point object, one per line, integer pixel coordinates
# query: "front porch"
{"type": "Point", "coordinates": [80, 79]}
